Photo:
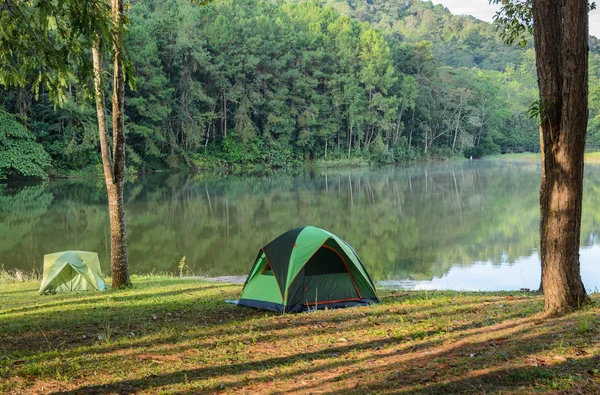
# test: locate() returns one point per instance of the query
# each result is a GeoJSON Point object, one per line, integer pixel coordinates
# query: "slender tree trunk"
{"type": "Point", "coordinates": [348, 129]}
{"type": "Point", "coordinates": [114, 167]}
{"type": "Point", "coordinates": [398, 123]}
{"type": "Point", "coordinates": [224, 114]}
{"type": "Point", "coordinates": [412, 127]}
{"type": "Point", "coordinates": [456, 132]}
{"type": "Point", "coordinates": [349, 140]}
{"type": "Point", "coordinates": [101, 112]}
{"type": "Point", "coordinates": [560, 33]}
{"type": "Point", "coordinates": [211, 123]}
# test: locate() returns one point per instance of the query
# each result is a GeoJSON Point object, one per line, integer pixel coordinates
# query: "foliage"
{"type": "Point", "coordinates": [47, 42]}
{"type": "Point", "coordinates": [274, 84]}
{"type": "Point", "coordinates": [20, 154]}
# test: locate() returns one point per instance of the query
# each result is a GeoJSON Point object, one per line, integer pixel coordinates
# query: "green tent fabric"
{"type": "Point", "coordinates": [70, 271]}
{"type": "Point", "coordinates": [307, 268]}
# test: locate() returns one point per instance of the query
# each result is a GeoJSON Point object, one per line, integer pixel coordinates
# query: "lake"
{"type": "Point", "coordinates": [463, 225]}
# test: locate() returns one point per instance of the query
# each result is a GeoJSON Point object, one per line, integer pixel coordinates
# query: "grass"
{"type": "Point", "coordinates": [590, 157]}
{"type": "Point", "coordinates": [178, 336]}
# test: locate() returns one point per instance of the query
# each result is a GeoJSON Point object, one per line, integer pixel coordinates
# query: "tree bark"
{"type": "Point", "coordinates": [398, 123]}
{"type": "Point", "coordinates": [560, 34]}
{"type": "Point", "coordinates": [114, 167]}
{"type": "Point", "coordinates": [101, 111]}
{"type": "Point", "coordinates": [118, 254]}
{"type": "Point", "coordinates": [349, 141]}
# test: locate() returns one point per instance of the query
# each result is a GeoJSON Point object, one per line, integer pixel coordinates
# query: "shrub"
{"type": "Point", "coordinates": [20, 154]}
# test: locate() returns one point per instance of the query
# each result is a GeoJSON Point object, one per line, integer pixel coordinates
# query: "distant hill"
{"type": "Point", "coordinates": [458, 40]}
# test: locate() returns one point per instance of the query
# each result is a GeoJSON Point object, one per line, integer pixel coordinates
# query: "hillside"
{"type": "Point", "coordinates": [458, 40]}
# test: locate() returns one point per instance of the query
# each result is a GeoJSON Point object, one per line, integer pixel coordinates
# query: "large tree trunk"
{"type": "Point", "coordinates": [560, 33]}
{"type": "Point", "coordinates": [118, 254]}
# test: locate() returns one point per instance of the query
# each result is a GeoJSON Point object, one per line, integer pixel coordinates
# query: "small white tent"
{"type": "Point", "coordinates": [70, 271]}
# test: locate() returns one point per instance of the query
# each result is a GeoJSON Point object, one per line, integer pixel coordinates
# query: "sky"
{"type": "Point", "coordinates": [482, 9]}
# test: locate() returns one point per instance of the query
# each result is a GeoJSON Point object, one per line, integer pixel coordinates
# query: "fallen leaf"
{"type": "Point", "coordinates": [537, 362]}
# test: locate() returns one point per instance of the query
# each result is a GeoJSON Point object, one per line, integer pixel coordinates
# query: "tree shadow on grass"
{"type": "Point", "coordinates": [475, 367]}
{"type": "Point", "coordinates": [176, 344]}
{"type": "Point", "coordinates": [267, 331]}
{"type": "Point", "coordinates": [24, 291]}
{"type": "Point", "coordinates": [428, 372]}
{"type": "Point", "coordinates": [580, 376]}
{"type": "Point", "coordinates": [193, 321]}
{"type": "Point", "coordinates": [31, 332]}
{"type": "Point", "coordinates": [95, 297]}
{"type": "Point", "coordinates": [221, 336]}
{"type": "Point", "coordinates": [296, 328]}
{"type": "Point", "coordinates": [398, 363]}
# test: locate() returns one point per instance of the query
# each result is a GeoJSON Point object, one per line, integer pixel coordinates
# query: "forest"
{"type": "Point", "coordinates": [240, 83]}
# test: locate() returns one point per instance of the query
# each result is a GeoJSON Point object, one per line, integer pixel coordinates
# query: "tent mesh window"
{"type": "Point", "coordinates": [267, 271]}
{"type": "Point", "coordinates": [325, 261]}
{"type": "Point", "coordinates": [326, 278]}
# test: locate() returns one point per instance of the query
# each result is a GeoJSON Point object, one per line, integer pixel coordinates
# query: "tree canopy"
{"type": "Point", "coordinates": [281, 82]}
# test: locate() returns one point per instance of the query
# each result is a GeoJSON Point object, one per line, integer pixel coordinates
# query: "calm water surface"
{"type": "Point", "coordinates": [454, 225]}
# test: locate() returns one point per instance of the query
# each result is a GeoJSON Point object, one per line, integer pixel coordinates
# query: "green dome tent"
{"type": "Point", "coordinates": [304, 269]}
{"type": "Point", "coordinates": [69, 271]}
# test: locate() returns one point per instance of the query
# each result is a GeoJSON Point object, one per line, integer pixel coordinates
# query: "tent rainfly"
{"type": "Point", "coordinates": [304, 269]}
{"type": "Point", "coordinates": [70, 271]}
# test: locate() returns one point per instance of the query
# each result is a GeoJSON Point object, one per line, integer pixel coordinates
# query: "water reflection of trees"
{"type": "Point", "coordinates": [21, 211]}
{"type": "Point", "coordinates": [415, 222]}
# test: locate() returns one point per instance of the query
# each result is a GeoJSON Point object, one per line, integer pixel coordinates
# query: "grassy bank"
{"type": "Point", "coordinates": [177, 336]}
{"type": "Point", "coordinates": [590, 157]}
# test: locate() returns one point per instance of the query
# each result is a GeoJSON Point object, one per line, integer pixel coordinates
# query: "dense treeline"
{"type": "Point", "coordinates": [281, 82]}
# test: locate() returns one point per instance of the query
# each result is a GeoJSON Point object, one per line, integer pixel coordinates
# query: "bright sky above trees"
{"type": "Point", "coordinates": [483, 10]}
